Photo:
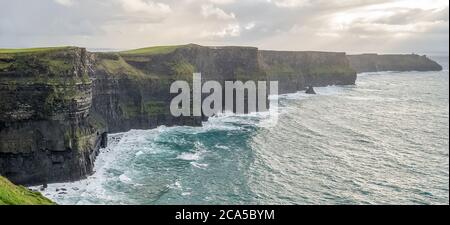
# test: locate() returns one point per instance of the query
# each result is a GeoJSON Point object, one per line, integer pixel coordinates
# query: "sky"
{"type": "Point", "coordinates": [353, 26]}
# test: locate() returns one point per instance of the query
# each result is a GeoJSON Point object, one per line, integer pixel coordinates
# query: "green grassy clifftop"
{"type": "Point", "coordinates": [11, 194]}
{"type": "Point", "coordinates": [375, 63]}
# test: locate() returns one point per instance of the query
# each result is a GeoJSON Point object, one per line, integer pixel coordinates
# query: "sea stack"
{"type": "Point", "coordinates": [310, 90]}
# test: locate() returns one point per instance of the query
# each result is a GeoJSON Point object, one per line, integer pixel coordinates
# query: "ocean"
{"type": "Point", "coordinates": [384, 140]}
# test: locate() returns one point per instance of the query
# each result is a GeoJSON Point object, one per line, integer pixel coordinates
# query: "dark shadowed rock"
{"type": "Point", "coordinates": [47, 133]}
{"type": "Point", "coordinates": [310, 90]}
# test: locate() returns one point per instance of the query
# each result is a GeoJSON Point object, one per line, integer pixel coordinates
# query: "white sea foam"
{"type": "Point", "coordinates": [199, 165]}
{"type": "Point", "coordinates": [124, 179]}
{"type": "Point", "coordinates": [294, 96]}
{"type": "Point", "coordinates": [221, 146]}
{"type": "Point", "coordinates": [176, 185]}
{"type": "Point", "coordinates": [329, 90]}
{"type": "Point", "coordinates": [189, 156]}
{"type": "Point", "coordinates": [81, 192]}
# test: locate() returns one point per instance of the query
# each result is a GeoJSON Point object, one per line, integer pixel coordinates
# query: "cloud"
{"type": "Point", "coordinates": [145, 6]}
{"type": "Point", "coordinates": [408, 16]}
{"type": "Point", "coordinates": [333, 25]}
{"type": "Point", "coordinates": [394, 21]}
{"type": "Point", "coordinates": [222, 2]}
{"type": "Point", "coordinates": [66, 3]}
{"type": "Point", "coordinates": [231, 30]}
{"type": "Point", "coordinates": [211, 11]}
{"type": "Point", "coordinates": [250, 26]}
{"type": "Point", "coordinates": [290, 3]}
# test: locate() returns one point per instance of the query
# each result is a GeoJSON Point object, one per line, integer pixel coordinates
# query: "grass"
{"type": "Point", "coordinates": [11, 194]}
{"type": "Point", "coordinates": [30, 50]}
{"type": "Point", "coordinates": [182, 70]}
{"type": "Point", "coordinates": [331, 70]}
{"type": "Point", "coordinates": [153, 50]}
{"type": "Point", "coordinates": [129, 110]}
{"type": "Point", "coordinates": [118, 66]}
{"type": "Point", "coordinates": [282, 69]}
{"type": "Point", "coordinates": [39, 63]}
{"type": "Point", "coordinates": [4, 66]}
{"type": "Point", "coordinates": [57, 66]}
{"type": "Point", "coordinates": [114, 65]}
{"type": "Point", "coordinates": [154, 108]}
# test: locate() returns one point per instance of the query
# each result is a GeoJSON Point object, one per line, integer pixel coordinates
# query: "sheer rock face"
{"type": "Point", "coordinates": [131, 91]}
{"type": "Point", "coordinates": [57, 105]}
{"type": "Point", "coordinates": [374, 63]}
{"type": "Point", "coordinates": [295, 71]}
{"type": "Point", "coordinates": [46, 132]}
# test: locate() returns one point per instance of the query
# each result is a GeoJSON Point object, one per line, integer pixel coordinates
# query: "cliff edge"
{"type": "Point", "coordinates": [375, 63]}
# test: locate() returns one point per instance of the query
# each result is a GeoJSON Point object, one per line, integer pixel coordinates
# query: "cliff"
{"type": "Point", "coordinates": [131, 89]}
{"type": "Point", "coordinates": [57, 104]}
{"type": "Point", "coordinates": [374, 63]}
{"type": "Point", "coordinates": [11, 194]}
{"type": "Point", "coordinates": [297, 70]}
{"type": "Point", "coordinates": [46, 131]}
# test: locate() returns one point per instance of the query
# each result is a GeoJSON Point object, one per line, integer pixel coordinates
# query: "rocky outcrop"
{"type": "Point", "coordinates": [46, 131]}
{"type": "Point", "coordinates": [310, 90]}
{"type": "Point", "coordinates": [374, 63]}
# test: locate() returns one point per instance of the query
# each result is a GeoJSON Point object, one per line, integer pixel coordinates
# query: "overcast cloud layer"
{"type": "Point", "coordinates": [402, 26]}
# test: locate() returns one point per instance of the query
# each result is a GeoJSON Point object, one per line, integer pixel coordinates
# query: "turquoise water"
{"type": "Point", "coordinates": [382, 141]}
